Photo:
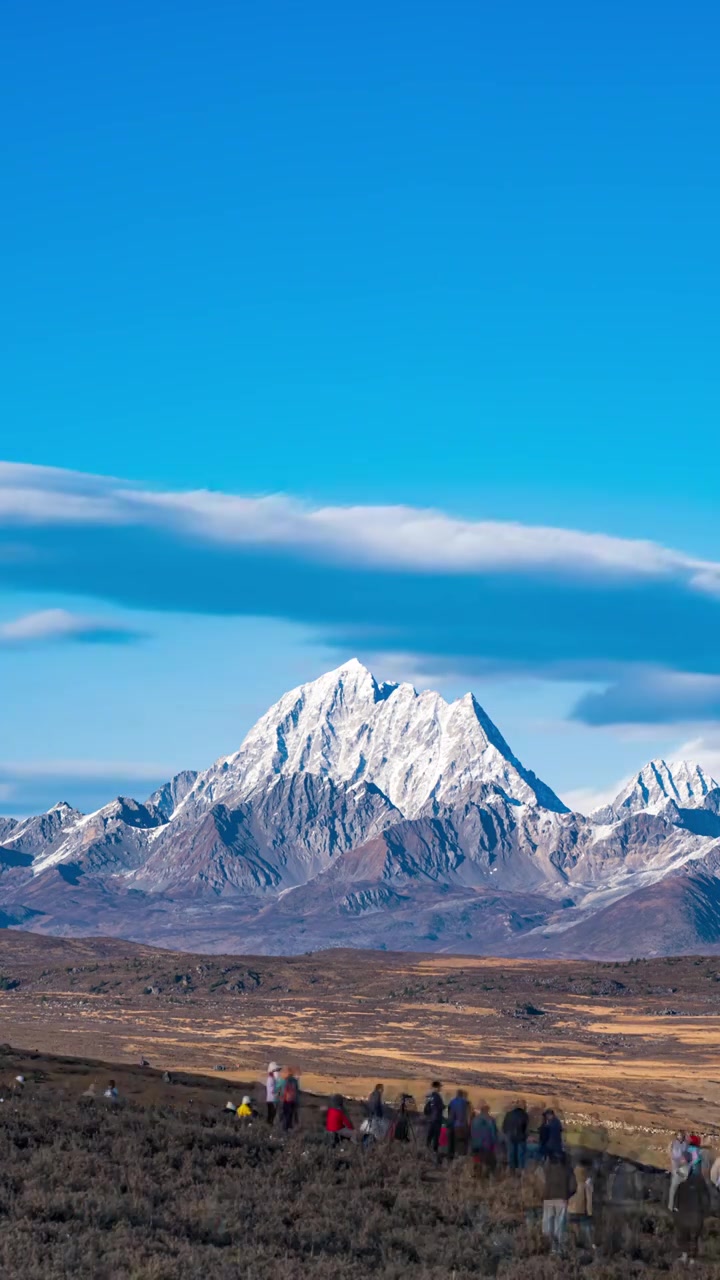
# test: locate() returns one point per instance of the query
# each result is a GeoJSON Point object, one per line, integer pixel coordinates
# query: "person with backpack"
{"type": "Point", "coordinates": [433, 1111]}
{"type": "Point", "coordinates": [290, 1099]}
{"type": "Point", "coordinates": [483, 1142]}
{"type": "Point", "coordinates": [458, 1124]}
{"type": "Point", "coordinates": [515, 1132]}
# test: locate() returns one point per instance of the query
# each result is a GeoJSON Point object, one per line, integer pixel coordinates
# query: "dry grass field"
{"type": "Point", "coordinates": [165, 1185]}
{"type": "Point", "coordinates": [628, 1049]}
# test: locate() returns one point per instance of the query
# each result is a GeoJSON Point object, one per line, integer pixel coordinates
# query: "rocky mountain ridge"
{"type": "Point", "coordinates": [358, 813]}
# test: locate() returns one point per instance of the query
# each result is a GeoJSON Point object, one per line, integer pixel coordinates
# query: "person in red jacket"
{"type": "Point", "coordinates": [336, 1122]}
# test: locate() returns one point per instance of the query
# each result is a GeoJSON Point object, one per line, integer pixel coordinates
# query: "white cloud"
{"type": "Point", "coordinates": [33, 786]}
{"type": "Point", "coordinates": [586, 799]}
{"type": "Point", "coordinates": [385, 537]}
{"type": "Point", "coordinates": [48, 625]}
{"type": "Point", "coordinates": [120, 769]}
{"type": "Point", "coordinates": [703, 750]}
{"type": "Point", "coordinates": [445, 595]}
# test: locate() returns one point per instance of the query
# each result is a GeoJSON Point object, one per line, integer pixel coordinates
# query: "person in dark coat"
{"type": "Point", "coordinates": [692, 1205]}
{"type": "Point", "coordinates": [560, 1185]}
{"type": "Point", "coordinates": [551, 1135]}
{"type": "Point", "coordinates": [458, 1123]}
{"type": "Point", "coordinates": [433, 1112]}
{"type": "Point", "coordinates": [401, 1129]}
{"type": "Point", "coordinates": [515, 1132]}
{"type": "Point", "coordinates": [374, 1105]}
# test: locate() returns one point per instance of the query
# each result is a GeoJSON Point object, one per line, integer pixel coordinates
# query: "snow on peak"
{"type": "Point", "coordinates": [659, 782]}
{"type": "Point", "coordinates": [346, 726]}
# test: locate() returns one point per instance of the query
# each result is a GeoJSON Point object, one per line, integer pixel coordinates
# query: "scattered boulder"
{"type": "Point", "coordinates": [527, 1011]}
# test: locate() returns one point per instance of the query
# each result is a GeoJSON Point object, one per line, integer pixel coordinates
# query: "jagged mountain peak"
{"type": "Point", "coordinates": [415, 746]}
{"type": "Point", "coordinates": [167, 798]}
{"type": "Point", "coordinates": [356, 801]}
{"type": "Point", "coordinates": [683, 782]}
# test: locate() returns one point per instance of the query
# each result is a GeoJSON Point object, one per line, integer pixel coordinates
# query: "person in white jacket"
{"type": "Point", "coordinates": [678, 1165]}
{"type": "Point", "coordinates": [715, 1173]}
{"type": "Point", "coordinates": [271, 1088]}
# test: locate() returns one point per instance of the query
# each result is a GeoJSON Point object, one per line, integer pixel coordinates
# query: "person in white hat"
{"type": "Point", "coordinates": [271, 1089]}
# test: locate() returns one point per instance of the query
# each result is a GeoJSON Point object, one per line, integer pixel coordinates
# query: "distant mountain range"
{"type": "Point", "coordinates": [369, 815]}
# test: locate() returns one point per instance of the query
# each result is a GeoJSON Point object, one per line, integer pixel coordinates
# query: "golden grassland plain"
{"type": "Point", "coordinates": [631, 1048]}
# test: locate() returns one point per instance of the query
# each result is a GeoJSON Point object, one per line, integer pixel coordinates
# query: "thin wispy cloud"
{"type": "Point", "coordinates": [395, 537]}
{"type": "Point", "coordinates": [652, 698]}
{"type": "Point", "coordinates": [455, 595]}
{"type": "Point", "coordinates": [705, 749]}
{"type": "Point", "coordinates": [31, 786]}
{"type": "Point", "coordinates": [587, 799]}
{"type": "Point", "coordinates": [49, 626]}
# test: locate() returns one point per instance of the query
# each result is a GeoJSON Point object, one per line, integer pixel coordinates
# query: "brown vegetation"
{"type": "Point", "coordinates": [631, 1046]}
{"type": "Point", "coordinates": [177, 1191]}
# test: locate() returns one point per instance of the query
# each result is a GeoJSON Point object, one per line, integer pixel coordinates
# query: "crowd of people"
{"type": "Point", "coordinates": [282, 1098]}
{"type": "Point", "coordinates": [582, 1195]}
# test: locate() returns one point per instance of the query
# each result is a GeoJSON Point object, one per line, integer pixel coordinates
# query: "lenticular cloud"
{"type": "Point", "coordinates": [464, 594]}
{"type": "Point", "coordinates": [382, 536]}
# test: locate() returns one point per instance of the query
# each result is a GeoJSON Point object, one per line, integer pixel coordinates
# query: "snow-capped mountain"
{"type": "Point", "coordinates": [368, 814]}
{"type": "Point", "coordinates": [682, 782]}
{"type": "Point", "coordinates": [415, 747]}
{"type": "Point", "coordinates": [42, 831]}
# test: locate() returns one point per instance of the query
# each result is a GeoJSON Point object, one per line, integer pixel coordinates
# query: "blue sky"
{"type": "Point", "coordinates": [459, 257]}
